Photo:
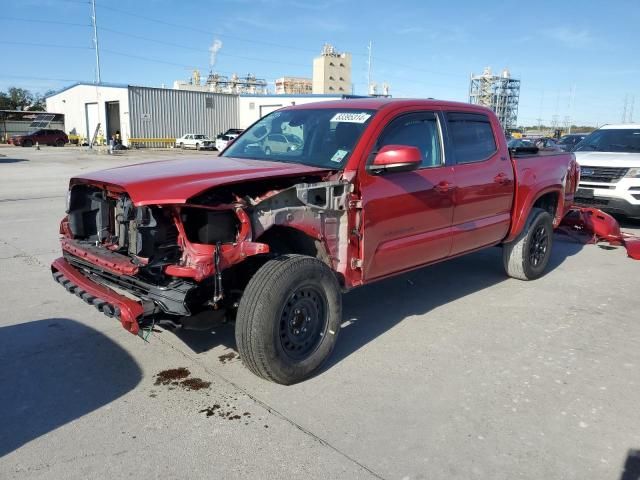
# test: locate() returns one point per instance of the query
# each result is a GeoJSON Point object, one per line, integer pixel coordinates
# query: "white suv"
{"type": "Point", "coordinates": [609, 161]}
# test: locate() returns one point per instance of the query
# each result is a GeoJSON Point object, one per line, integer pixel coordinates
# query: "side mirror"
{"type": "Point", "coordinates": [396, 158]}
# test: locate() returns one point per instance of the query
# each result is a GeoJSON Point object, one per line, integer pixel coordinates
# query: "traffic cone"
{"type": "Point", "coordinates": [37, 146]}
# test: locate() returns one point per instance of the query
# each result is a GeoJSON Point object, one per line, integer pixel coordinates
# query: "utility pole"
{"type": "Point", "coordinates": [95, 40]}
{"type": "Point", "coordinates": [624, 108]}
{"type": "Point", "coordinates": [633, 103]}
{"type": "Point", "coordinates": [369, 68]}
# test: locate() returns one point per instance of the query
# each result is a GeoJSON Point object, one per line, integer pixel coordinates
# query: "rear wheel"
{"type": "Point", "coordinates": [267, 151]}
{"type": "Point", "coordinates": [289, 318]}
{"type": "Point", "coordinates": [197, 146]}
{"type": "Point", "coordinates": [526, 258]}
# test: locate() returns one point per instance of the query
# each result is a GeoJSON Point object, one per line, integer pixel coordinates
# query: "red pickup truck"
{"type": "Point", "coordinates": [270, 237]}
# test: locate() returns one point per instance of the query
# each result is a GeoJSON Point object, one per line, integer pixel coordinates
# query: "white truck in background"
{"type": "Point", "coordinates": [609, 161]}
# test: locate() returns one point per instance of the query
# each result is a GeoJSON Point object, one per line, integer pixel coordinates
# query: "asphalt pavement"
{"type": "Point", "coordinates": [452, 371]}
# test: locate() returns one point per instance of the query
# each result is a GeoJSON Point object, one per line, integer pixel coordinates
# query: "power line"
{"type": "Point", "coordinates": [155, 60]}
{"type": "Point", "coordinates": [197, 49]}
{"type": "Point", "coordinates": [379, 60]}
{"type": "Point", "coordinates": [53, 22]}
{"type": "Point", "coordinates": [43, 45]}
{"type": "Point", "coordinates": [204, 31]}
{"type": "Point", "coordinates": [414, 68]}
{"type": "Point", "coordinates": [28, 77]}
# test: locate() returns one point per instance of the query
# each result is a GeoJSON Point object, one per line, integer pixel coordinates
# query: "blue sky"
{"type": "Point", "coordinates": [421, 48]}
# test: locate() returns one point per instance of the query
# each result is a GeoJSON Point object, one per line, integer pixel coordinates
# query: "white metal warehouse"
{"type": "Point", "coordinates": [147, 112]}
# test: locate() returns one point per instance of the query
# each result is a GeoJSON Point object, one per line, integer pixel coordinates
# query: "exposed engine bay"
{"type": "Point", "coordinates": [171, 258]}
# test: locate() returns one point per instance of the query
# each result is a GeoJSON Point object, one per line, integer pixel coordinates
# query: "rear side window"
{"type": "Point", "coordinates": [471, 137]}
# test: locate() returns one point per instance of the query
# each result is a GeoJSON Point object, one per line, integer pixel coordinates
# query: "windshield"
{"type": "Point", "coordinates": [611, 140]}
{"type": "Point", "coordinates": [316, 137]}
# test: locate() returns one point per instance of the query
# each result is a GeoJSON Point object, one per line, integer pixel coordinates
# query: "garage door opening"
{"type": "Point", "coordinates": [113, 119]}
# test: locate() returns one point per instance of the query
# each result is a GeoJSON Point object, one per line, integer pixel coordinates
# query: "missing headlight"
{"type": "Point", "coordinates": [210, 226]}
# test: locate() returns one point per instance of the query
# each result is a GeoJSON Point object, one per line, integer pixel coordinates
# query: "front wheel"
{"type": "Point", "coordinates": [289, 318]}
{"type": "Point", "coordinates": [27, 143]}
{"type": "Point", "coordinates": [60, 143]}
{"type": "Point", "coordinates": [267, 151]}
{"type": "Point", "coordinates": [527, 256]}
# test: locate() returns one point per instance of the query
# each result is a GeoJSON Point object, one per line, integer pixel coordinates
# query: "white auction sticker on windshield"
{"type": "Point", "coordinates": [339, 155]}
{"type": "Point", "coordinates": [351, 117]}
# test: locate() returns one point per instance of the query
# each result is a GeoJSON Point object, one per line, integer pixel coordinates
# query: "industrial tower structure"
{"type": "Point", "coordinates": [500, 93]}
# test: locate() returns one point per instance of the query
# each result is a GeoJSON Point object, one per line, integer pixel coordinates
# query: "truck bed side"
{"type": "Point", "coordinates": [544, 180]}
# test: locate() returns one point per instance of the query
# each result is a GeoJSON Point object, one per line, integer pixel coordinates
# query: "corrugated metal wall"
{"type": "Point", "coordinates": [168, 113]}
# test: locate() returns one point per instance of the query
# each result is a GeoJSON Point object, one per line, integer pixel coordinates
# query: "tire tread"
{"type": "Point", "coordinates": [513, 256]}
{"type": "Point", "coordinates": [265, 287]}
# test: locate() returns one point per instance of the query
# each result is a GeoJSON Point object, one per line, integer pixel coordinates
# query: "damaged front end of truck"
{"type": "Point", "coordinates": [186, 262]}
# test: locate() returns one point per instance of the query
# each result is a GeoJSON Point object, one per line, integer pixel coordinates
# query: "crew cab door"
{"type": "Point", "coordinates": [407, 215]}
{"type": "Point", "coordinates": [484, 180]}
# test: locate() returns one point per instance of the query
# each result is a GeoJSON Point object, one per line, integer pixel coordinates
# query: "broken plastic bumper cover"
{"type": "Point", "coordinates": [590, 225]}
{"type": "Point", "coordinates": [104, 299]}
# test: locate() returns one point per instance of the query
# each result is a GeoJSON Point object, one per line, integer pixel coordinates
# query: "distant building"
{"type": "Point", "coordinates": [332, 72]}
{"type": "Point", "coordinates": [294, 86]}
{"type": "Point", "coordinates": [147, 112]}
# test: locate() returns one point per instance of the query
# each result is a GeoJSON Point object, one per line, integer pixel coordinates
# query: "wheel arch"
{"type": "Point", "coordinates": [287, 240]}
{"type": "Point", "coordinates": [549, 199]}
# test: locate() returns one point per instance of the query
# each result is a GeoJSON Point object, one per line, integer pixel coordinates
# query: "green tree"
{"type": "Point", "coordinates": [39, 101]}
{"type": "Point", "coordinates": [16, 99]}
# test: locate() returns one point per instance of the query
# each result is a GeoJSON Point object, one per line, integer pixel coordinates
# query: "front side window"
{"type": "Point", "coordinates": [471, 137]}
{"type": "Point", "coordinates": [420, 130]}
{"type": "Point", "coordinates": [611, 140]}
{"type": "Point", "coordinates": [321, 137]}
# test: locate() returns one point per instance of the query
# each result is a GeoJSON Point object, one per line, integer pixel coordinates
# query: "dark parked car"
{"type": "Point", "coordinates": [41, 137]}
{"type": "Point", "coordinates": [520, 143]}
{"type": "Point", "coordinates": [568, 142]}
{"type": "Point", "coordinates": [546, 143]}
{"type": "Point", "coordinates": [231, 131]}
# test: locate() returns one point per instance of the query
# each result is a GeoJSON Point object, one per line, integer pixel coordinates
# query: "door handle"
{"type": "Point", "coordinates": [502, 179]}
{"type": "Point", "coordinates": [443, 187]}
